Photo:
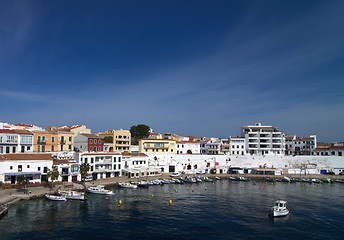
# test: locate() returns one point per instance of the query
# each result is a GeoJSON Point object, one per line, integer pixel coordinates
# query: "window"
{"type": "Point", "coordinates": [114, 159]}
{"type": "Point", "coordinates": [99, 141]}
{"type": "Point", "coordinates": [28, 166]}
{"type": "Point", "coordinates": [91, 140]}
{"type": "Point", "coordinates": [91, 168]}
{"type": "Point", "coordinates": [61, 147]}
{"type": "Point", "coordinates": [52, 148]}
{"type": "Point", "coordinates": [98, 148]}
{"type": "Point", "coordinates": [85, 160]}
{"type": "Point", "coordinates": [119, 159]}
{"type": "Point", "coordinates": [45, 170]}
{"type": "Point", "coordinates": [39, 169]}
{"type": "Point", "coordinates": [91, 148]}
{"type": "Point", "coordinates": [38, 148]}
{"type": "Point", "coordinates": [70, 147]}
{"type": "Point", "coordinates": [70, 139]}
{"type": "Point", "coordinates": [53, 139]}
{"type": "Point", "coordinates": [119, 166]}
{"type": "Point", "coordinates": [92, 159]}
{"type": "Point", "coordinates": [11, 167]}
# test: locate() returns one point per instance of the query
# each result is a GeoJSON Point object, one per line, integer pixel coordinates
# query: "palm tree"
{"type": "Point", "coordinates": [84, 168]}
{"type": "Point", "coordinates": [53, 174]}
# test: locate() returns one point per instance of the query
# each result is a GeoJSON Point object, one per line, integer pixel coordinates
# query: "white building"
{"type": "Point", "coordinates": [34, 166]}
{"type": "Point", "coordinates": [237, 146]}
{"type": "Point", "coordinates": [263, 140]}
{"type": "Point", "coordinates": [136, 165]}
{"type": "Point", "coordinates": [188, 147]}
{"type": "Point", "coordinates": [15, 141]}
{"type": "Point", "coordinates": [68, 171]}
{"type": "Point", "coordinates": [102, 165]}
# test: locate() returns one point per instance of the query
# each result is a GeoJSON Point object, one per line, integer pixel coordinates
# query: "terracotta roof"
{"type": "Point", "coordinates": [26, 156]}
{"type": "Point", "coordinates": [89, 135]}
{"type": "Point", "coordinates": [15, 131]}
{"type": "Point", "coordinates": [152, 133]}
{"type": "Point", "coordinates": [150, 139]}
{"type": "Point", "coordinates": [93, 154]}
{"type": "Point", "coordinates": [135, 154]}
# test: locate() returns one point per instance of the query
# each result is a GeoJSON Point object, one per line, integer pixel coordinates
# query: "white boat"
{"type": "Point", "coordinates": [73, 195]}
{"type": "Point", "coordinates": [127, 185]}
{"type": "Point", "coordinates": [55, 198]}
{"type": "Point", "coordinates": [279, 209]}
{"type": "Point", "coordinates": [285, 179]}
{"type": "Point", "coordinates": [189, 180]}
{"type": "Point", "coordinates": [99, 190]}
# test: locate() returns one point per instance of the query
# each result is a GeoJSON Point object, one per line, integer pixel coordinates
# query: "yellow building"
{"type": "Point", "coordinates": [65, 141]}
{"type": "Point", "coordinates": [121, 140]}
{"type": "Point", "coordinates": [157, 146]}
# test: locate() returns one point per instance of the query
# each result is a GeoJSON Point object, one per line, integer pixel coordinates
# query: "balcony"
{"type": "Point", "coordinates": [41, 142]}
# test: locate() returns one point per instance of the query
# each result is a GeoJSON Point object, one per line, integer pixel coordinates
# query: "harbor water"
{"type": "Point", "coordinates": [222, 209]}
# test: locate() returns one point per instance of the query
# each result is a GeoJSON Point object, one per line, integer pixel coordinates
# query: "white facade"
{"type": "Point", "coordinates": [32, 166]}
{"type": "Point", "coordinates": [136, 165]}
{"type": "Point", "coordinates": [188, 147]}
{"type": "Point", "coordinates": [263, 140]}
{"type": "Point", "coordinates": [237, 146]}
{"type": "Point", "coordinates": [68, 171]}
{"type": "Point", "coordinates": [102, 165]}
{"type": "Point", "coordinates": [15, 141]}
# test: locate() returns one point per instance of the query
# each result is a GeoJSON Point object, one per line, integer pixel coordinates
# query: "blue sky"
{"type": "Point", "coordinates": [202, 68]}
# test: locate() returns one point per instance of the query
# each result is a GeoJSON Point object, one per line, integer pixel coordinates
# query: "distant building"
{"type": "Point", "coordinates": [33, 166]}
{"type": "Point", "coordinates": [263, 140]}
{"type": "Point", "coordinates": [68, 171]}
{"type": "Point", "coordinates": [86, 142]}
{"type": "Point", "coordinates": [15, 141]}
{"type": "Point", "coordinates": [237, 146]}
{"type": "Point", "coordinates": [160, 146]}
{"type": "Point", "coordinates": [102, 165]}
{"type": "Point", "coordinates": [75, 129]}
{"type": "Point", "coordinates": [121, 140]}
{"type": "Point", "coordinates": [188, 147]}
{"type": "Point", "coordinates": [300, 146]}
{"type": "Point", "coordinates": [136, 165]}
{"type": "Point", "coordinates": [332, 149]}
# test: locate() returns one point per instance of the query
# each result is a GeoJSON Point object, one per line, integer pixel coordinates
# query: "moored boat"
{"type": "Point", "coordinates": [73, 195]}
{"type": "Point", "coordinates": [127, 185]}
{"type": "Point", "coordinates": [55, 198]}
{"type": "Point", "coordinates": [279, 209]}
{"type": "Point", "coordinates": [99, 190]}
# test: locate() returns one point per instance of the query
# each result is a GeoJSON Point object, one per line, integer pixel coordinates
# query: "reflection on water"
{"type": "Point", "coordinates": [222, 210]}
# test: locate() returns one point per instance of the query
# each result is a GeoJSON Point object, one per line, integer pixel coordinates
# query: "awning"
{"type": "Point", "coordinates": [22, 173]}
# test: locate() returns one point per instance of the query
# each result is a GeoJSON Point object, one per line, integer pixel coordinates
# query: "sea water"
{"type": "Point", "coordinates": [220, 210]}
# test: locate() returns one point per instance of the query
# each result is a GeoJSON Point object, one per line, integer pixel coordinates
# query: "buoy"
{"type": "Point", "coordinates": [120, 202]}
{"type": "Point", "coordinates": [171, 192]}
{"type": "Point", "coordinates": [195, 188]}
{"type": "Point", "coordinates": [164, 192]}
{"type": "Point", "coordinates": [152, 195]}
{"type": "Point", "coordinates": [135, 197]}
{"type": "Point", "coordinates": [107, 198]}
{"type": "Point", "coordinates": [187, 188]}
{"type": "Point", "coordinates": [170, 202]}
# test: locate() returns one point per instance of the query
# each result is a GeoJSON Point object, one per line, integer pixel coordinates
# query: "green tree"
{"type": "Point", "coordinates": [138, 132]}
{"type": "Point", "coordinates": [108, 139]}
{"type": "Point", "coordinates": [23, 182]}
{"type": "Point", "coordinates": [53, 174]}
{"type": "Point", "coordinates": [84, 168]}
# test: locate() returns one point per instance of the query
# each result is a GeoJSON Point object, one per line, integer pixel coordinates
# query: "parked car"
{"type": "Point", "coordinates": [88, 179]}
{"type": "Point", "coordinates": [175, 174]}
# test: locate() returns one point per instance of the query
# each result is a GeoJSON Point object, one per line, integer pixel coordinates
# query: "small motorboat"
{"type": "Point", "coordinates": [72, 195]}
{"type": "Point", "coordinates": [99, 190]}
{"type": "Point", "coordinates": [127, 185]}
{"type": "Point", "coordinates": [55, 198]}
{"type": "Point", "coordinates": [279, 209]}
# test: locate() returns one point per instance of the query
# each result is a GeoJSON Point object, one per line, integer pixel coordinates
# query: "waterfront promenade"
{"type": "Point", "coordinates": [12, 196]}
